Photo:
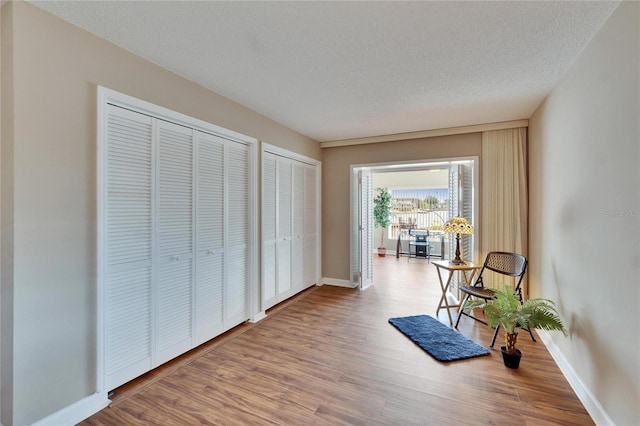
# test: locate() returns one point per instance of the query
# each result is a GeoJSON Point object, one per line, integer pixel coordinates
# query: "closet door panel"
{"type": "Point", "coordinates": [209, 297]}
{"type": "Point", "coordinates": [175, 241]}
{"type": "Point", "coordinates": [297, 222]}
{"type": "Point", "coordinates": [236, 294]}
{"type": "Point", "coordinates": [283, 255]}
{"type": "Point", "coordinates": [269, 229]}
{"type": "Point", "coordinates": [284, 226]}
{"type": "Point", "coordinates": [209, 237]}
{"type": "Point", "coordinates": [236, 290]}
{"type": "Point", "coordinates": [128, 245]}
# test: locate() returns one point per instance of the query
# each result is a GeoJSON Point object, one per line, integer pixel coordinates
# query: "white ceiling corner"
{"type": "Point", "coordinates": [343, 70]}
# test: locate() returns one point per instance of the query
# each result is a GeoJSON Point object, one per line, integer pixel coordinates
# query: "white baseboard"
{"type": "Point", "coordinates": [76, 412]}
{"type": "Point", "coordinates": [337, 282]}
{"type": "Point", "coordinates": [257, 317]}
{"type": "Point", "coordinates": [591, 404]}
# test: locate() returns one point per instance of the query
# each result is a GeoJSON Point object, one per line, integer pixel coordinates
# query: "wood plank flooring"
{"type": "Point", "coordinates": [329, 357]}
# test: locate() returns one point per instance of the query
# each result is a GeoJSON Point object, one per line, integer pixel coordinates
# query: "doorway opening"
{"type": "Point", "coordinates": [425, 195]}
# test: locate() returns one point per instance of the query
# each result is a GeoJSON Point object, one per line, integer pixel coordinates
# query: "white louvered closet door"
{"type": "Point", "coordinates": [174, 279]}
{"type": "Point", "coordinates": [128, 230]}
{"type": "Point", "coordinates": [461, 204]}
{"type": "Point", "coordinates": [269, 229]}
{"type": "Point", "coordinates": [209, 236]}
{"type": "Point", "coordinates": [283, 255]}
{"type": "Point", "coordinates": [366, 226]}
{"type": "Point", "coordinates": [297, 222]}
{"type": "Point", "coordinates": [236, 289]}
{"type": "Point", "coordinates": [355, 227]}
{"type": "Point", "coordinates": [176, 227]}
{"type": "Point", "coordinates": [466, 177]}
{"type": "Point", "coordinates": [310, 264]}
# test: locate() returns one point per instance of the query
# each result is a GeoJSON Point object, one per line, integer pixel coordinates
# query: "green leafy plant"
{"type": "Point", "coordinates": [382, 210]}
{"type": "Point", "coordinates": [506, 311]}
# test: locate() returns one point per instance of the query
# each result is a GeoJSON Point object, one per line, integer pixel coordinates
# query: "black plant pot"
{"type": "Point", "coordinates": [511, 360]}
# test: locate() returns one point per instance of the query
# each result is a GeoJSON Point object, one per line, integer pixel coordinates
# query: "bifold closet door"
{"type": "Point", "coordinates": [128, 245]}
{"type": "Point", "coordinates": [289, 227]}
{"type": "Point", "coordinates": [283, 255]}
{"type": "Point", "coordinates": [297, 222]}
{"type": "Point", "coordinates": [209, 237]}
{"type": "Point", "coordinates": [269, 229]}
{"type": "Point", "coordinates": [366, 227]}
{"type": "Point", "coordinates": [174, 281]}
{"type": "Point", "coordinates": [176, 214]}
{"type": "Point", "coordinates": [236, 287]}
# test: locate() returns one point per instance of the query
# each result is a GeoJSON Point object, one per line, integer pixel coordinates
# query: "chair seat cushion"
{"type": "Point", "coordinates": [482, 292]}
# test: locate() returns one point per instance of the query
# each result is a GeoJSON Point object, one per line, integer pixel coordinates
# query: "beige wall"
{"type": "Point", "coordinates": [6, 211]}
{"type": "Point", "coordinates": [55, 70]}
{"type": "Point", "coordinates": [585, 212]}
{"type": "Point", "coordinates": [2, 135]}
{"type": "Point", "coordinates": [336, 169]}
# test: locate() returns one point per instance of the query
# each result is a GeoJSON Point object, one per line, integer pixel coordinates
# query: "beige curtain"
{"type": "Point", "coordinates": [504, 195]}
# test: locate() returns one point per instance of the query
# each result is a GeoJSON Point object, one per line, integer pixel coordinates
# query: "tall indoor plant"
{"type": "Point", "coordinates": [382, 215]}
{"type": "Point", "coordinates": [507, 311]}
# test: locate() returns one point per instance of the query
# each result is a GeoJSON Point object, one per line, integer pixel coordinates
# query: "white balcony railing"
{"type": "Point", "coordinates": [432, 220]}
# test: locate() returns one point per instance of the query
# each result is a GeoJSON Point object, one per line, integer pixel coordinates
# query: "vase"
{"type": "Point", "coordinates": [511, 360]}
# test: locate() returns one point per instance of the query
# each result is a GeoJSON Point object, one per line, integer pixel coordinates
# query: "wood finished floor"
{"type": "Point", "coordinates": [329, 357]}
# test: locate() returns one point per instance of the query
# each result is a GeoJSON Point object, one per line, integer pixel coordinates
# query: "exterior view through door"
{"type": "Point", "coordinates": [424, 196]}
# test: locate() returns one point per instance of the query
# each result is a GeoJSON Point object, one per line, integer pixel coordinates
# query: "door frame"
{"type": "Point", "coordinates": [356, 257]}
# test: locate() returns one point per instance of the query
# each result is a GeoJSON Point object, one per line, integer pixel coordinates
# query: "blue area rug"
{"type": "Point", "coordinates": [440, 341]}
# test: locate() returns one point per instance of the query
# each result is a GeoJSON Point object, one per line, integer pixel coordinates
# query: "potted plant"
{"type": "Point", "coordinates": [506, 310]}
{"type": "Point", "coordinates": [382, 215]}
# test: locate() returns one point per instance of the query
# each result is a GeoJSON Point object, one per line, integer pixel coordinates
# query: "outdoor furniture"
{"type": "Point", "coordinates": [420, 245]}
{"type": "Point", "coordinates": [410, 243]}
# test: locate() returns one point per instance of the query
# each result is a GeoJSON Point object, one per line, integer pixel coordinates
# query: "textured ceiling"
{"type": "Point", "coordinates": [340, 70]}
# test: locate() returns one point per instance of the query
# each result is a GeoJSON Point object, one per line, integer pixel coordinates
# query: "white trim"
{"type": "Point", "coordinates": [410, 165]}
{"type": "Point", "coordinates": [144, 107]}
{"type": "Point", "coordinates": [258, 317]}
{"type": "Point", "coordinates": [76, 412]}
{"type": "Point", "coordinates": [318, 276]}
{"type": "Point", "coordinates": [267, 147]}
{"type": "Point", "coordinates": [476, 128]}
{"type": "Point", "coordinates": [337, 282]}
{"type": "Point", "coordinates": [590, 402]}
{"type": "Point", "coordinates": [254, 232]}
{"type": "Point", "coordinates": [101, 159]}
